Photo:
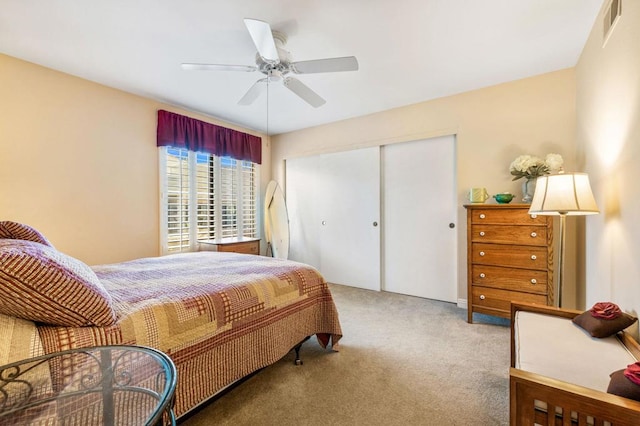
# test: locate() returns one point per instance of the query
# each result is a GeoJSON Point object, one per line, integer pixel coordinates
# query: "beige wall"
{"type": "Point", "coordinates": [493, 126]}
{"type": "Point", "coordinates": [78, 161]}
{"type": "Point", "coordinates": [608, 139]}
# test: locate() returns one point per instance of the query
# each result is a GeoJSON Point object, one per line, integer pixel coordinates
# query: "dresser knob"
{"type": "Point", "coordinates": [533, 234]}
{"type": "Point", "coordinates": [482, 275]}
{"type": "Point", "coordinates": [482, 297]}
{"type": "Point", "coordinates": [482, 233]}
{"type": "Point", "coordinates": [533, 216]}
{"type": "Point", "coordinates": [533, 257]}
{"type": "Point", "coordinates": [482, 216]}
{"type": "Point", "coordinates": [481, 253]}
{"type": "Point", "coordinates": [534, 281]}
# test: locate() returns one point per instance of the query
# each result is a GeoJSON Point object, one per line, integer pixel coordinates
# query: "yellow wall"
{"type": "Point", "coordinates": [608, 139]}
{"type": "Point", "coordinates": [493, 126]}
{"type": "Point", "coordinates": [78, 161]}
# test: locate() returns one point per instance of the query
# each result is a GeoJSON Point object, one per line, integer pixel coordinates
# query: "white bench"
{"type": "Point", "coordinates": [557, 368]}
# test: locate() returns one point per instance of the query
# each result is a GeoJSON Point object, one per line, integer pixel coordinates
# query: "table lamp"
{"type": "Point", "coordinates": [563, 194]}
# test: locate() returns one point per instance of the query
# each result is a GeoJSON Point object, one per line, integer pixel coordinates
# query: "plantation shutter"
{"type": "Point", "coordinates": [177, 199]}
{"type": "Point", "coordinates": [205, 197]}
{"type": "Point", "coordinates": [249, 199]}
{"type": "Point", "coordinates": [205, 181]}
{"type": "Point", "coordinates": [229, 196]}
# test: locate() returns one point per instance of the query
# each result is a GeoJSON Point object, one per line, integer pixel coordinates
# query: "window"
{"type": "Point", "coordinates": [205, 197]}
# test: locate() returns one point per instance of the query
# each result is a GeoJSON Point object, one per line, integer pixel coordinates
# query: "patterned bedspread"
{"type": "Point", "coordinates": [219, 316]}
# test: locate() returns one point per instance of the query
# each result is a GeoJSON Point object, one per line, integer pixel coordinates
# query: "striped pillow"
{"type": "Point", "coordinates": [19, 231]}
{"type": "Point", "coordinates": [40, 284]}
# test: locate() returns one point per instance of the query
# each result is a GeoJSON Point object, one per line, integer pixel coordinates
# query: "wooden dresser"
{"type": "Point", "coordinates": [509, 257]}
{"type": "Point", "coordinates": [246, 245]}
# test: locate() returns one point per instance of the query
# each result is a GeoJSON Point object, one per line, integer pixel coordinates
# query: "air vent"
{"type": "Point", "coordinates": [611, 18]}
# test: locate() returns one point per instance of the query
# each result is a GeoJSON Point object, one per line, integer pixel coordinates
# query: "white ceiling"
{"type": "Point", "coordinates": [408, 50]}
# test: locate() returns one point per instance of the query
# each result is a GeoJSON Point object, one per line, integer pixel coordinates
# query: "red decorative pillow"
{"type": "Point", "coordinates": [40, 284]}
{"type": "Point", "coordinates": [625, 382]}
{"type": "Point", "coordinates": [604, 319]}
{"type": "Point", "coordinates": [19, 231]}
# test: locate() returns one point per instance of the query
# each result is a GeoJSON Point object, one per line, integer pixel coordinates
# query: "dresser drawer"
{"type": "Point", "coordinates": [528, 280]}
{"type": "Point", "coordinates": [245, 247]}
{"type": "Point", "coordinates": [510, 234]}
{"type": "Point", "coordinates": [506, 216]}
{"type": "Point", "coordinates": [529, 257]}
{"type": "Point", "coordinates": [500, 300]}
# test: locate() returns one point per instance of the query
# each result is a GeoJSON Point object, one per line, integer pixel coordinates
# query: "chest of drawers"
{"type": "Point", "coordinates": [246, 246]}
{"type": "Point", "coordinates": [509, 258]}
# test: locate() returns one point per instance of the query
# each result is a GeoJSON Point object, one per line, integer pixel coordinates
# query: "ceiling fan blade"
{"type": "Point", "coordinates": [217, 67]}
{"type": "Point", "coordinates": [263, 39]}
{"type": "Point", "coordinates": [253, 92]}
{"type": "Point", "coordinates": [302, 90]}
{"type": "Point", "coordinates": [347, 63]}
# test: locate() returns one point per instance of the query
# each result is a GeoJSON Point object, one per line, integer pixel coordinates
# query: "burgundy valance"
{"type": "Point", "coordinates": [184, 132]}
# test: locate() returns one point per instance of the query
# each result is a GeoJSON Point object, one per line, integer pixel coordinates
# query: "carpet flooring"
{"type": "Point", "coordinates": [402, 361]}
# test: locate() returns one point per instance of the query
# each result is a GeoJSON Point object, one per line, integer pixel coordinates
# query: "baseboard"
{"type": "Point", "coordinates": [462, 303]}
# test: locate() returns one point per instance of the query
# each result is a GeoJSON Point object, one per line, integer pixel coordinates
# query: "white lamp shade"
{"type": "Point", "coordinates": [563, 194]}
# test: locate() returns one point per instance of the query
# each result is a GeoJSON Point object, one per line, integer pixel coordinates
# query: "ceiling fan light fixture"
{"type": "Point", "coordinates": [275, 76]}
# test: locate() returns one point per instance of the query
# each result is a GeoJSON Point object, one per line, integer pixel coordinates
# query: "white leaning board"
{"type": "Point", "coordinates": [276, 221]}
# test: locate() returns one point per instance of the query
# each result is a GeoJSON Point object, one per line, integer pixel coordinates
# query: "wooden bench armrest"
{"type": "Point", "coordinates": [543, 309]}
{"type": "Point", "coordinates": [526, 388]}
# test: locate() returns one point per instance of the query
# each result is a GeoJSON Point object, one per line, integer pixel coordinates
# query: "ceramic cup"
{"type": "Point", "coordinates": [478, 195]}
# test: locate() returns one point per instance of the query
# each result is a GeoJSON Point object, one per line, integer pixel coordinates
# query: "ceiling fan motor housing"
{"type": "Point", "coordinates": [275, 71]}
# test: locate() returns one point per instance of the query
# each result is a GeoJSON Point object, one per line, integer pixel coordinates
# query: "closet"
{"type": "Point", "coordinates": [380, 218]}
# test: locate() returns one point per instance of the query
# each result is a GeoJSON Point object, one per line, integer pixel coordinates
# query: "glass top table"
{"type": "Point", "coordinates": [106, 385]}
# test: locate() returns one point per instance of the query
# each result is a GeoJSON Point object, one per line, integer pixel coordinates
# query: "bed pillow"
{"type": "Point", "coordinates": [40, 284]}
{"type": "Point", "coordinates": [625, 382]}
{"type": "Point", "coordinates": [604, 319]}
{"type": "Point", "coordinates": [19, 231]}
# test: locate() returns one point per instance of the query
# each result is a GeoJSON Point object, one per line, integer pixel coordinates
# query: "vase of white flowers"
{"type": "Point", "coordinates": [528, 189]}
{"type": "Point", "coordinates": [530, 168]}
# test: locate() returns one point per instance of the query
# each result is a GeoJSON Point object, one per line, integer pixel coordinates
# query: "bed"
{"type": "Point", "coordinates": [219, 316]}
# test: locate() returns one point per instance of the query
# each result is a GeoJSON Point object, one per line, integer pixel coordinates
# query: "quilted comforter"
{"type": "Point", "coordinates": [219, 316]}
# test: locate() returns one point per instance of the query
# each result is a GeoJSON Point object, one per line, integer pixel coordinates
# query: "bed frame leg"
{"type": "Point", "coordinates": [298, 361]}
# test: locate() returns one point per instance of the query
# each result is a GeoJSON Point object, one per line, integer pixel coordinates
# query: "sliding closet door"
{"type": "Point", "coordinates": [349, 228]}
{"type": "Point", "coordinates": [334, 204]}
{"type": "Point", "coordinates": [301, 188]}
{"type": "Point", "coordinates": [419, 206]}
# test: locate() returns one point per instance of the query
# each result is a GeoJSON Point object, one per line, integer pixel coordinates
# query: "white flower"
{"type": "Point", "coordinates": [554, 162]}
{"type": "Point", "coordinates": [522, 163]}
{"type": "Point", "coordinates": [530, 167]}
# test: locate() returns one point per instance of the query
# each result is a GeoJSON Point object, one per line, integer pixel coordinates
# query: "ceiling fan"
{"type": "Point", "coordinates": [275, 62]}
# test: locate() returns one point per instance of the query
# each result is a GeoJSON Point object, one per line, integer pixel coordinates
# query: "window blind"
{"type": "Point", "coordinates": [248, 200]}
{"type": "Point", "coordinates": [177, 199]}
{"type": "Point", "coordinates": [206, 197]}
